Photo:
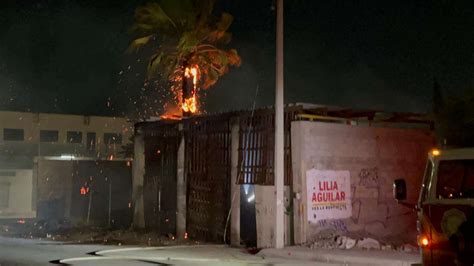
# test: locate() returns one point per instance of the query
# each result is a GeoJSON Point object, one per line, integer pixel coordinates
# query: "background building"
{"type": "Point", "coordinates": [24, 136]}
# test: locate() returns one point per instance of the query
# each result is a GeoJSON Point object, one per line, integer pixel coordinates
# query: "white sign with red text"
{"type": "Point", "coordinates": [329, 195]}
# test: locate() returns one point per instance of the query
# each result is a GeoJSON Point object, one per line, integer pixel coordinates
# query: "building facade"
{"type": "Point", "coordinates": [24, 136]}
{"type": "Point", "coordinates": [214, 174]}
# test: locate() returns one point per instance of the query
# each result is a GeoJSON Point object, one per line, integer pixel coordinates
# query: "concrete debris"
{"type": "Point", "coordinates": [350, 243]}
{"type": "Point", "coordinates": [324, 240]}
{"type": "Point", "coordinates": [334, 241]}
{"type": "Point", "coordinates": [368, 243]}
{"type": "Point", "coordinates": [344, 242]}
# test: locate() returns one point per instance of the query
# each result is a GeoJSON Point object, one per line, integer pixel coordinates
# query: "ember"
{"type": "Point", "coordinates": [84, 190]}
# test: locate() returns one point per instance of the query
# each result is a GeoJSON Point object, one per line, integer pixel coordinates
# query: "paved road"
{"type": "Point", "coordinates": [35, 252]}
{"type": "Point", "coordinates": [14, 251]}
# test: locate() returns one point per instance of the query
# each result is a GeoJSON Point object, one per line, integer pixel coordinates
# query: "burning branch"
{"type": "Point", "coordinates": [190, 53]}
{"type": "Point", "coordinates": [189, 92]}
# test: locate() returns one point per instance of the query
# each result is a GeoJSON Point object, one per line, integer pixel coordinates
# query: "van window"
{"type": "Point", "coordinates": [426, 181]}
{"type": "Point", "coordinates": [455, 179]}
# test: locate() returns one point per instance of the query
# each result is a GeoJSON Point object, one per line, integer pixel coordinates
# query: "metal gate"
{"type": "Point", "coordinates": [207, 168]}
{"type": "Point", "coordinates": [159, 195]}
{"type": "Point", "coordinates": [256, 146]}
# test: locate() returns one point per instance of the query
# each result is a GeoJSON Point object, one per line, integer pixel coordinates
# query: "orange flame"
{"type": "Point", "coordinates": [172, 112]}
{"type": "Point", "coordinates": [186, 101]}
{"type": "Point", "coordinates": [190, 104]}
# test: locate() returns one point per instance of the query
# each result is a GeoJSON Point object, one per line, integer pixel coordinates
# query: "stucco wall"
{"type": "Point", "coordinates": [19, 183]}
{"type": "Point", "coordinates": [374, 156]}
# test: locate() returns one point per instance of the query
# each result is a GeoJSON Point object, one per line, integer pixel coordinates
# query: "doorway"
{"type": "Point", "coordinates": [248, 219]}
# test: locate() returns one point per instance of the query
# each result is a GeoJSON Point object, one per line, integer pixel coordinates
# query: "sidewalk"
{"type": "Point", "coordinates": [188, 255]}
{"type": "Point", "coordinates": [224, 255]}
{"type": "Point", "coordinates": [346, 257]}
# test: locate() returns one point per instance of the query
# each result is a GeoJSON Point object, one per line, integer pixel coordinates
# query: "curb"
{"type": "Point", "coordinates": [346, 257]}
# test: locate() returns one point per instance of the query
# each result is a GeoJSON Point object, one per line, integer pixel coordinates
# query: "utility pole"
{"type": "Point", "coordinates": [279, 133]}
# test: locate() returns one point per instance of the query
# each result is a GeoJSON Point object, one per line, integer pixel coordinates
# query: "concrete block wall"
{"type": "Point", "coordinates": [265, 198]}
{"type": "Point", "coordinates": [374, 157]}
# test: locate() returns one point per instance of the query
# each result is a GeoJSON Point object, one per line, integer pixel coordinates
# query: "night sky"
{"type": "Point", "coordinates": [69, 56]}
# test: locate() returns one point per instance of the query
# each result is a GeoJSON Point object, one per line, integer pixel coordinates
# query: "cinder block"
{"type": "Point", "coordinates": [395, 153]}
{"type": "Point", "coordinates": [362, 192]}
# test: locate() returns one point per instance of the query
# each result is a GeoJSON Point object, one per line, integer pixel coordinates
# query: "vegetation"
{"type": "Point", "coordinates": [184, 33]}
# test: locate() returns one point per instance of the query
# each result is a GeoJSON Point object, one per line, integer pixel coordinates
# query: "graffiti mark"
{"type": "Point", "coordinates": [368, 177]}
{"type": "Point", "coordinates": [337, 225]}
{"type": "Point", "coordinates": [356, 206]}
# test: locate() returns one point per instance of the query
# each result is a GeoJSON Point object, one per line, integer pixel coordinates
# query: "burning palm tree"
{"type": "Point", "coordinates": [190, 43]}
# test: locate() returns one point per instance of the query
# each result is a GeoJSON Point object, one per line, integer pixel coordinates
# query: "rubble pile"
{"type": "Point", "coordinates": [330, 240]}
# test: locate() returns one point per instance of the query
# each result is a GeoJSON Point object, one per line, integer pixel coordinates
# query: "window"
{"type": "Point", "coordinates": [4, 194]}
{"type": "Point", "coordinates": [426, 181]}
{"type": "Point", "coordinates": [112, 138]}
{"type": "Point", "coordinates": [48, 135]}
{"type": "Point", "coordinates": [13, 134]}
{"type": "Point", "coordinates": [455, 179]}
{"type": "Point", "coordinates": [74, 137]}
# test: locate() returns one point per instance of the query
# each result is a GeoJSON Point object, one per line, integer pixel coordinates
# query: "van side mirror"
{"type": "Point", "coordinates": [400, 189]}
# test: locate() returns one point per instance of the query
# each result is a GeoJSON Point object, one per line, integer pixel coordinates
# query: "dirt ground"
{"type": "Point", "coordinates": [62, 231]}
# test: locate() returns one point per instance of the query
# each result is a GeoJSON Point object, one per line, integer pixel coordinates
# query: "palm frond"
{"type": "Point", "coordinates": [139, 42]}
{"type": "Point", "coordinates": [152, 18]}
